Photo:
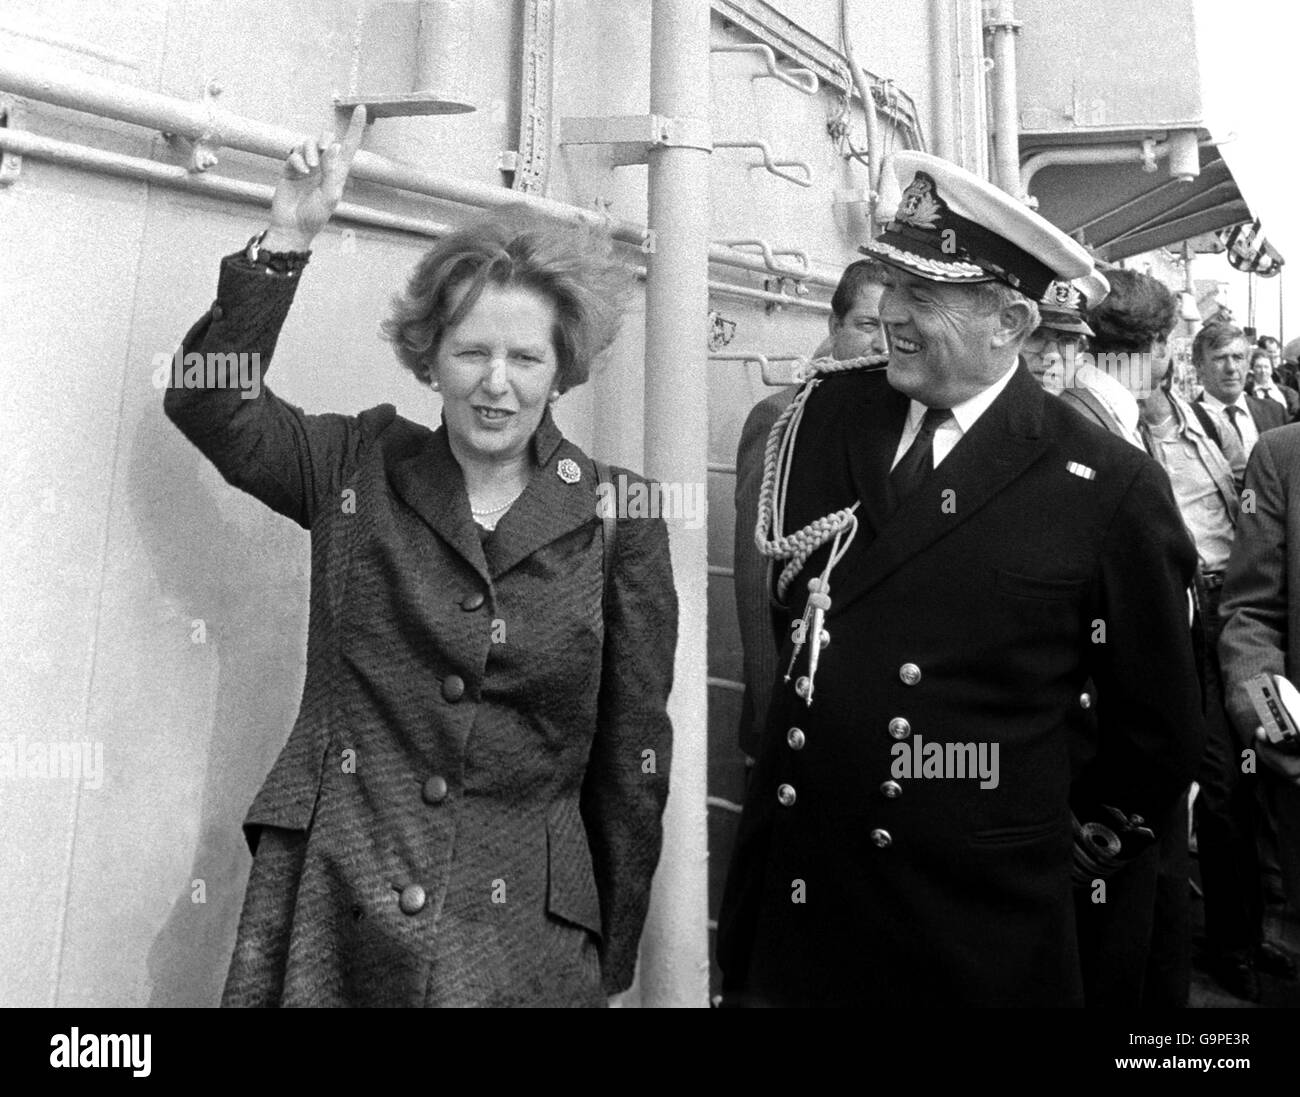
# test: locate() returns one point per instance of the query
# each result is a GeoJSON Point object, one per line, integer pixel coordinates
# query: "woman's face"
{"type": "Point", "coordinates": [496, 370]}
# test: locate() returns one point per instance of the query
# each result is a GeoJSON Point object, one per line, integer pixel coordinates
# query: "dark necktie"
{"type": "Point", "coordinates": [918, 462]}
{"type": "Point", "coordinates": [1233, 411]}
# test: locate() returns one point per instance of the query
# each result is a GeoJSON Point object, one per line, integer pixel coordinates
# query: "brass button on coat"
{"type": "Point", "coordinates": [899, 728]}
{"type": "Point", "coordinates": [1085, 700]}
{"type": "Point", "coordinates": [881, 839]}
{"type": "Point", "coordinates": [217, 312]}
{"type": "Point", "coordinates": [412, 899]}
{"type": "Point", "coordinates": [435, 790]}
{"type": "Point", "coordinates": [910, 673]}
{"type": "Point", "coordinates": [796, 738]}
{"type": "Point", "coordinates": [891, 790]}
{"type": "Point", "coordinates": [786, 795]}
{"type": "Point", "coordinates": [471, 602]}
{"type": "Point", "coordinates": [453, 688]}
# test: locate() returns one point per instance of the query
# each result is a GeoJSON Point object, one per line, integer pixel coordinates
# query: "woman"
{"type": "Point", "coordinates": [467, 811]}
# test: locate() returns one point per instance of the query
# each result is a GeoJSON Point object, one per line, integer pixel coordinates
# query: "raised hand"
{"type": "Point", "coordinates": [311, 185]}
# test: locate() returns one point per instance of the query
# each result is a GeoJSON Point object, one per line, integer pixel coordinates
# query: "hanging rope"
{"type": "Point", "coordinates": [839, 527]}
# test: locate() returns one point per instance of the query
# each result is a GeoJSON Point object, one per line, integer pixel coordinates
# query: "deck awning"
{"type": "Point", "coordinates": [1120, 210]}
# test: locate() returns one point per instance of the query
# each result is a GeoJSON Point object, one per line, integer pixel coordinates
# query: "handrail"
{"type": "Point", "coordinates": [764, 362]}
{"type": "Point", "coordinates": [217, 127]}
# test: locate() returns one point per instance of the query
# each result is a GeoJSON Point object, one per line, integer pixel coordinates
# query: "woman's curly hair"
{"type": "Point", "coordinates": [1138, 311]}
{"type": "Point", "coordinates": [571, 266]}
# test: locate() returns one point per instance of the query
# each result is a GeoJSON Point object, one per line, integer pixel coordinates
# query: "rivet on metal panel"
{"type": "Point", "coordinates": [11, 117]}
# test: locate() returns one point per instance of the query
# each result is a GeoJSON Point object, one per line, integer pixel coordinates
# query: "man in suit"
{"type": "Point", "coordinates": [1264, 384]}
{"type": "Point", "coordinates": [966, 552]}
{"type": "Point", "coordinates": [1261, 613]}
{"type": "Point", "coordinates": [855, 332]}
{"type": "Point", "coordinates": [1219, 353]}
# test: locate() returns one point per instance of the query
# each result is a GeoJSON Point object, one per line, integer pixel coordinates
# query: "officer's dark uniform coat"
{"type": "Point", "coordinates": [462, 815]}
{"type": "Point", "coordinates": [972, 614]}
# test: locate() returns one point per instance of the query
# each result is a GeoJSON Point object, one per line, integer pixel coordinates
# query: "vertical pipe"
{"type": "Point", "coordinates": [1003, 28]}
{"type": "Point", "coordinates": [868, 111]}
{"type": "Point", "coordinates": [675, 947]}
{"type": "Point", "coordinates": [942, 62]}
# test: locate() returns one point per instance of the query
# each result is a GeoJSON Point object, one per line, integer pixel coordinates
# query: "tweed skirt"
{"type": "Point", "coordinates": [294, 948]}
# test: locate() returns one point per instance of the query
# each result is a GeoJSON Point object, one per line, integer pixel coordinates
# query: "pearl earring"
{"type": "Point", "coordinates": [436, 385]}
{"type": "Point", "coordinates": [555, 395]}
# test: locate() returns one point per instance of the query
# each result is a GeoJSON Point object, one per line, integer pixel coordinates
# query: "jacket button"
{"type": "Point", "coordinates": [910, 673]}
{"type": "Point", "coordinates": [218, 311]}
{"type": "Point", "coordinates": [1085, 700]}
{"type": "Point", "coordinates": [471, 602]}
{"type": "Point", "coordinates": [796, 738]}
{"type": "Point", "coordinates": [891, 790]}
{"type": "Point", "coordinates": [899, 728]}
{"type": "Point", "coordinates": [881, 839]}
{"type": "Point", "coordinates": [435, 790]}
{"type": "Point", "coordinates": [453, 688]}
{"type": "Point", "coordinates": [785, 794]}
{"type": "Point", "coordinates": [412, 899]}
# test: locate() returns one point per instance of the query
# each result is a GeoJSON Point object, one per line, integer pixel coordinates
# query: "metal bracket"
{"type": "Point", "coordinates": [202, 150]}
{"type": "Point", "coordinates": [631, 137]}
{"type": "Point", "coordinates": [770, 253]}
{"type": "Point", "coordinates": [12, 116]}
{"type": "Point", "coordinates": [803, 80]}
{"type": "Point", "coordinates": [764, 362]}
{"type": "Point", "coordinates": [772, 165]}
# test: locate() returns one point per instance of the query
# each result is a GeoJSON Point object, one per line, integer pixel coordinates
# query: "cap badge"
{"type": "Point", "coordinates": [568, 471]}
{"type": "Point", "coordinates": [920, 205]}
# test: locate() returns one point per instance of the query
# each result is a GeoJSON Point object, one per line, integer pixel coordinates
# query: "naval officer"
{"type": "Point", "coordinates": [960, 554]}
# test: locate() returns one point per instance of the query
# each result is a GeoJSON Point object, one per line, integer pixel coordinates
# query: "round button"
{"type": "Point", "coordinates": [796, 738]}
{"type": "Point", "coordinates": [802, 686]}
{"type": "Point", "coordinates": [910, 673]}
{"type": "Point", "coordinates": [471, 602]}
{"type": "Point", "coordinates": [453, 687]}
{"type": "Point", "coordinates": [899, 728]}
{"type": "Point", "coordinates": [1085, 700]}
{"type": "Point", "coordinates": [785, 794]}
{"type": "Point", "coordinates": [412, 899]}
{"type": "Point", "coordinates": [891, 790]}
{"type": "Point", "coordinates": [435, 790]}
{"type": "Point", "coordinates": [218, 312]}
{"type": "Point", "coordinates": [881, 839]}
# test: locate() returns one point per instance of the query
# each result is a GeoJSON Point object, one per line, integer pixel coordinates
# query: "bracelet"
{"type": "Point", "coordinates": [288, 263]}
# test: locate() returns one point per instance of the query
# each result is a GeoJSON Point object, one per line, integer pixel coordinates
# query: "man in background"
{"type": "Point", "coordinates": [1261, 635]}
{"type": "Point", "coordinates": [1220, 352]}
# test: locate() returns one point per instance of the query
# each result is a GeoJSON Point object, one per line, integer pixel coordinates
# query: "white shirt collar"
{"type": "Point", "coordinates": [1215, 402]}
{"type": "Point", "coordinates": [967, 411]}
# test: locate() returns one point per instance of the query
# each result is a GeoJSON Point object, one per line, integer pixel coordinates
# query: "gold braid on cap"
{"type": "Point", "coordinates": [839, 527]}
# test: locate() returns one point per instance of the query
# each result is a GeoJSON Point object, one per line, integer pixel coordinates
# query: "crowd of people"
{"type": "Point", "coordinates": [1100, 347]}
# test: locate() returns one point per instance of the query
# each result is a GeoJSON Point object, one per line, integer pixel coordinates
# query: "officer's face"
{"type": "Point", "coordinates": [496, 369]}
{"type": "Point", "coordinates": [1223, 370]}
{"type": "Point", "coordinates": [1045, 352]}
{"type": "Point", "coordinates": [941, 340]}
{"type": "Point", "coordinates": [859, 333]}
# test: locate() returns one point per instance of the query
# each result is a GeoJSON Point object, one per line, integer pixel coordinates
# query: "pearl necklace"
{"type": "Point", "coordinates": [493, 510]}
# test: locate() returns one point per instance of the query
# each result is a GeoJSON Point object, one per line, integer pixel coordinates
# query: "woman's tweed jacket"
{"type": "Point", "coordinates": [467, 811]}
